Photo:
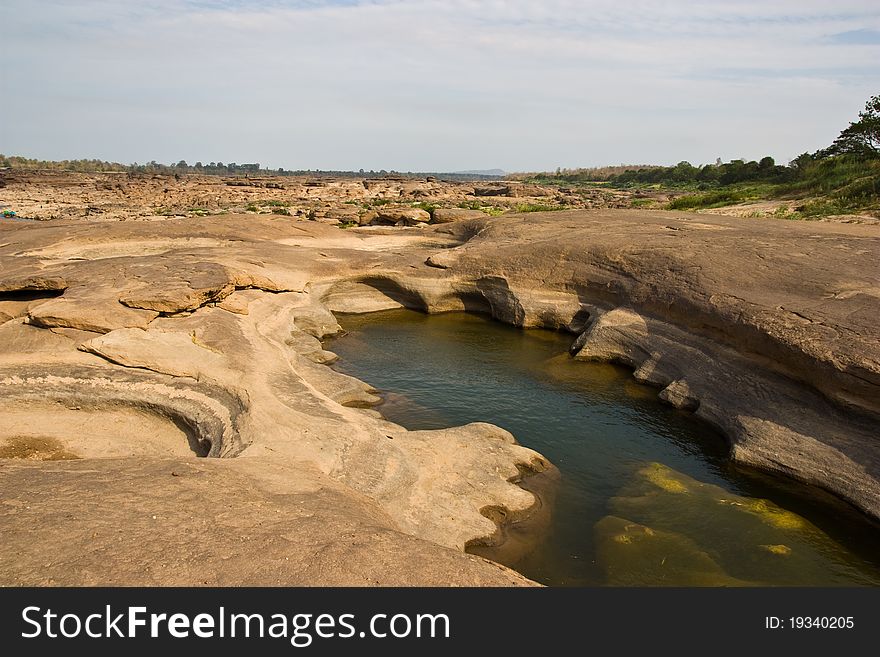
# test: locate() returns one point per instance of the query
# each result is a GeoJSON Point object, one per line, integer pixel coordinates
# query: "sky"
{"type": "Point", "coordinates": [445, 85]}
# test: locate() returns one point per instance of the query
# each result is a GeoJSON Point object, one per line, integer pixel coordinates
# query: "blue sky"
{"type": "Point", "coordinates": [432, 85]}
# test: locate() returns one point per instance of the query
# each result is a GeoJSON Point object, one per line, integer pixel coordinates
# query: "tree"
{"type": "Point", "coordinates": [683, 172]}
{"type": "Point", "coordinates": [862, 137]}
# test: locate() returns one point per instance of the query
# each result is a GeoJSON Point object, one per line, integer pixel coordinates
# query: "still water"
{"type": "Point", "coordinates": [646, 496]}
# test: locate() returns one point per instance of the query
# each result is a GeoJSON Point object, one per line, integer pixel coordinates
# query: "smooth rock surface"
{"type": "Point", "coordinates": [766, 328]}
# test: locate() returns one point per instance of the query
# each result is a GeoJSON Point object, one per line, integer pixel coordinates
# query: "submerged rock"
{"type": "Point", "coordinates": [631, 554]}
{"type": "Point", "coordinates": [705, 532]}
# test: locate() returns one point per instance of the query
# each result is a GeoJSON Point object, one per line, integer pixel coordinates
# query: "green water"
{"type": "Point", "coordinates": [646, 496]}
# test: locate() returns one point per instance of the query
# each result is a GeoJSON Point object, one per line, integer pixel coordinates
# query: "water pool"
{"type": "Point", "coordinates": [647, 495]}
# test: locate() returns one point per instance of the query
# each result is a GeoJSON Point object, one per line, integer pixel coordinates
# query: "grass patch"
{"type": "Point", "coordinates": [491, 210]}
{"type": "Point", "coordinates": [538, 207]}
{"type": "Point", "coordinates": [641, 202]}
{"type": "Point", "coordinates": [348, 224]}
{"type": "Point", "coordinates": [717, 198]}
{"type": "Point", "coordinates": [283, 211]}
{"type": "Point", "coordinates": [427, 207]}
{"type": "Point", "coordinates": [252, 208]}
{"type": "Point", "coordinates": [378, 202]}
{"type": "Point", "coordinates": [273, 203]}
{"type": "Point", "coordinates": [710, 200]}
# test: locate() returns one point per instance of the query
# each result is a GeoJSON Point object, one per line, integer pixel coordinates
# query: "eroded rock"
{"type": "Point", "coordinates": [737, 319]}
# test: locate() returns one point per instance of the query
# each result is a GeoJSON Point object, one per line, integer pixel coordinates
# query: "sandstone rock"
{"type": "Point", "coordinates": [631, 554]}
{"type": "Point", "coordinates": [344, 214]}
{"type": "Point", "coordinates": [678, 393]}
{"type": "Point", "coordinates": [173, 353]}
{"type": "Point", "coordinates": [272, 529]}
{"type": "Point", "coordinates": [400, 216]}
{"type": "Point", "coordinates": [234, 303]}
{"type": "Point", "coordinates": [84, 315]}
{"type": "Point", "coordinates": [367, 218]}
{"type": "Point", "coordinates": [447, 215]}
{"type": "Point", "coordinates": [736, 315]}
{"type": "Point", "coordinates": [309, 346]}
{"type": "Point", "coordinates": [492, 190]}
{"type": "Point", "coordinates": [32, 284]}
{"type": "Point", "coordinates": [661, 505]}
{"type": "Point", "coordinates": [796, 435]}
{"type": "Point", "coordinates": [530, 191]}
{"type": "Point", "coordinates": [186, 288]}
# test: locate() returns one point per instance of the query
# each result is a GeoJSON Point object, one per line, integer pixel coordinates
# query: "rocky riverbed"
{"type": "Point", "coordinates": [390, 200]}
{"type": "Point", "coordinates": [133, 345]}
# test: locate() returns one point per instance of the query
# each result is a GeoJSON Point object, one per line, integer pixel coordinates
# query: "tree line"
{"type": "Point", "coordinates": [858, 143]}
{"type": "Point", "coordinates": [215, 169]}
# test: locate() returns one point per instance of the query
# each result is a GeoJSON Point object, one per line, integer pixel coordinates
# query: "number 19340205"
{"type": "Point", "coordinates": [809, 622]}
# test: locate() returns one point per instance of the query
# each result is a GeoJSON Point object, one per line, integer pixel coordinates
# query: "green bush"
{"type": "Point", "coordinates": [537, 207]}
{"type": "Point", "coordinates": [709, 200]}
{"type": "Point", "coordinates": [427, 207]}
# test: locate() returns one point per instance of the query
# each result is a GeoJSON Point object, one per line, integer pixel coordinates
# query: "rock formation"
{"type": "Point", "coordinates": [170, 339]}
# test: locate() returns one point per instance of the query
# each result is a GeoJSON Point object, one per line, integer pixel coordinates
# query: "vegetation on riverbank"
{"type": "Point", "coordinates": [841, 179]}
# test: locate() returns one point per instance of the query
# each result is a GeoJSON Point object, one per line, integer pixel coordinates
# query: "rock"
{"type": "Point", "coordinates": [713, 303]}
{"type": "Point", "coordinates": [309, 346]}
{"type": "Point", "coordinates": [530, 191]}
{"type": "Point", "coordinates": [438, 261]}
{"type": "Point", "coordinates": [166, 352]}
{"type": "Point", "coordinates": [367, 218]}
{"type": "Point", "coordinates": [344, 214]}
{"type": "Point", "coordinates": [352, 297]}
{"type": "Point", "coordinates": [186, 288]}
{"type": "Point", "coordinates": [234, 303]}
{"type": "Point", "coordinates": [493, 190]}
{"type": "Point", "coordinates": [273, 529]}
{"type": "Point", "coordinates": [631, 554]}
{"type": "Point", "coordinates": [32, 284]}
{"type": "Point", "coordinates": [83, 314]}
{"type": "Point", "coordinates": [678, 393]}
{"type": "Point", "coordinates": [795, 435]}
{"type": "Point", "coordinates": [743, 320]}
{"type": "Point", "coordinates": [661, 506]}
{"type": "Point", "coordinates": [316, 320]}
{"type": "Point", "coordinates": [447, 215]}
{"type": "Point", "coordinates": [394, 216]}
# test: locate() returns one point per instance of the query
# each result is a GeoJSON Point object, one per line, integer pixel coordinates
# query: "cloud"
{"type": "Point", "coordinates": [433, 85]}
